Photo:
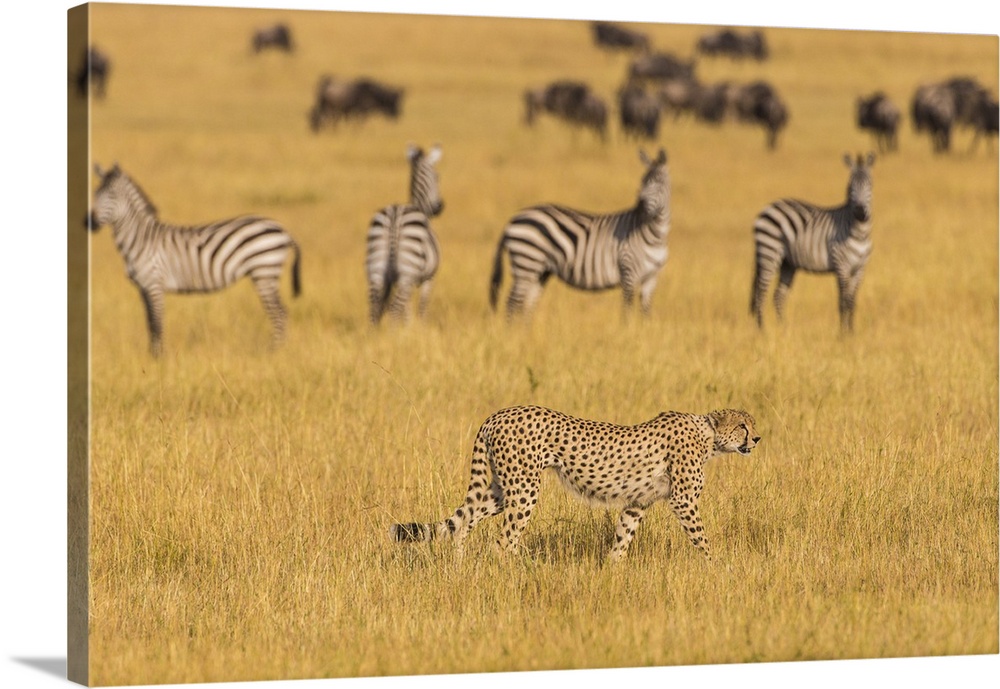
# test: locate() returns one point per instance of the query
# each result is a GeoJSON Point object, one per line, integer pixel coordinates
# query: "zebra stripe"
{"type": "Point", "coordinates": [161, 258]}
{"type": "Point", "coordinates": [402, 251]}
{"type": "Point", "coordinates": [588, 251]}
{"type": "Point", "coordinates": [791, 235]}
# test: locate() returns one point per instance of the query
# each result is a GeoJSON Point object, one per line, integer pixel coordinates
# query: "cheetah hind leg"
{"type": "Point", "coordinates": [628, 522]}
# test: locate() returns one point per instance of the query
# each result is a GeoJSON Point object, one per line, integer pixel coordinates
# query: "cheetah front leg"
{"type": "Point", "coordinates": [628, 522]}
{"type": "Point", "coordinates": [685, 506]}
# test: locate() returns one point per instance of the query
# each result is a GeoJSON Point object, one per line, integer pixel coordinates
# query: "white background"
{"type": "Point", "coordinates": [33, 330]}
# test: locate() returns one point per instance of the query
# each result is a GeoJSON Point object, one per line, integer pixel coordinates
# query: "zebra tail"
{"type": "Point", "coordinates": [296, 276]}
{"type": "Point", "coordinates": [497, 277]}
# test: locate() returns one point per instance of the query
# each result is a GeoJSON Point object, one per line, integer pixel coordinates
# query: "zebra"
{"type": "Point", "coordinates": [161, 258]}
{"type": "Point", "coordinates": [402, 251]}
{"type": "Point", "coordinates": [586, 250]}
{"type": "Point", "coordinates": [790, 235]}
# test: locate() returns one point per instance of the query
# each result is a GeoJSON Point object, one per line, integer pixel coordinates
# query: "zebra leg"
{"type": "Point", "coordinates": [425, 295]}
{"type": "Point", "coordinates": [399, 306]}
{"type": "Point", "coordinates": [785, 277]}
{"type": "Point", "coordinates": [646, 294]}
{"type": "Point", "coordinates": [628, 522]}
{"type": "Point", "coordinates": [267, 290]}
{"type": "Point", "coordinates": [763, 274]}
{"type": "Point", "coordinates": [378, 295]}
{"type": "Point", "coordinates": [153, 300]}
{"type": "Point", "coordinates": [523, 296]}
{"type": "Point", "coordinates": [847, 287]}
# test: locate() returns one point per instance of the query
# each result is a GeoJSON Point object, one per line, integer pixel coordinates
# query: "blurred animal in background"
{"type": "Point", "coordinates": [276, 37]}
{"type": "Point", "coordinates": [733, 44]}
{"type": "Point", "coordinates": [792, 235]}
{"type": "Point", "coordinates": [985, 121]}
{"type": "Point", "coordinates": [570, 101]}
{"type": "Point", "coordinates": [92, 75]}
{"type": "Point", "coordinates": [639, 111]}
{"type": "Point", "coordinates": [938, 108]}
{"type": "Point", "coordinates": [879, 115]}
{"type": "Point", "coordinates": [161, 258]}
{"type": "Point", "coordinates": [759, 103]}
{"type": "Point", "coordinates": [661, 66]}
{"type": "Point", "coordinates": [587, 250]}
{"type": "Point", "coordinates": [339, 99]}
{"type": "Point", "coordinates": [402, 251]}
{"type": "Point", "coordinates": [616, 37]}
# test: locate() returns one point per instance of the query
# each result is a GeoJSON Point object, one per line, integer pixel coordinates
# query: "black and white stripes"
{"type": "Point", "coordinates": [791, 235]}
{"type": "Point", "coordinates": [402, 251]}
{"type": "Point", "coordinates": [161, 258]}
{"type": "Point", "coordinates": [588, 251]}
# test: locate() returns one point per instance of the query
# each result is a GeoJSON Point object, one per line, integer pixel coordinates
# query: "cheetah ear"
{"type": "Point", "coordinates": [713, 419]}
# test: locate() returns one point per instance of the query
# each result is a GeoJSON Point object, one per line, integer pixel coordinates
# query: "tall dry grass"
{"type": "Point", "coordinates": [241, 498]}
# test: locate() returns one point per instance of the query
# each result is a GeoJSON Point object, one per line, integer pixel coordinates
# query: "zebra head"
{"type": "Point", "coordinates": [424, 193]}
{"type": "Point", "coordinates": [859, 187]}
{"type": "Point", "coordinates": [116, 197]}
{"type": "Point", "coordinates": [654, 194]}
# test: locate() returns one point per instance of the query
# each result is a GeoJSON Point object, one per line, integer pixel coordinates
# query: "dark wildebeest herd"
{"type": "Point", "coordinates": [657, 84]}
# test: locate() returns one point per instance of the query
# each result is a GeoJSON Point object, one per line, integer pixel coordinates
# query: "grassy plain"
{"type": "Point", "coordinates": [241, 498]}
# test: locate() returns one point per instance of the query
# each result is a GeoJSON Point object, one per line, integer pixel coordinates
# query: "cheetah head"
{"type": "Point", "coordinates": [734, 431]}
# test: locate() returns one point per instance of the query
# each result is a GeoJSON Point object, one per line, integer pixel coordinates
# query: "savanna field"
{"type": "Point", "coordinates": [241, 498]}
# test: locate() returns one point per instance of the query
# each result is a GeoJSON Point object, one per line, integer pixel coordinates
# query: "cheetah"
{"type": "Point", "coordinates": [605, 464]}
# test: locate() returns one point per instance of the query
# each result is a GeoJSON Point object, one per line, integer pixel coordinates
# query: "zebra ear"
{"type": "Point", "coordinates": [434, 154]}
{"type": "Point", "coordinates": [870, 160]}
{"type": "Point", "coordinates": [412, 152]}
{"type": "Point", "coordinates": [662, 157]}
{"type": "Point", "coordinates": [847, 160]}
{"type": "Point", "coordinates": [98, 170]}
{"type": "Point", "coordinates": [644, 158]}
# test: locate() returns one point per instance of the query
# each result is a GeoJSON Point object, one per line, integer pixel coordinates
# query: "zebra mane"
{"type": "Point", "coordinates": [135, 188]}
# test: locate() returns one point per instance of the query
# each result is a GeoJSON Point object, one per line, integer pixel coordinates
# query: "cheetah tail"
{"type": "Point", "coordinates": [415, 532]}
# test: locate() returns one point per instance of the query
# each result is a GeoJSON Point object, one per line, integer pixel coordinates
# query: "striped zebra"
{"type": "Point", "coordinates": [586, 250]}
{"type": "Point", "coordinates": [161, 258]}
{"type": "Point", "coordinates": [792, 235]}
{"type": "Point", "coordinates": [403, 252]}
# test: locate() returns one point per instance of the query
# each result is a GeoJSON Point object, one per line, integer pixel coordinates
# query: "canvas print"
{"type": "Point", "coordinates": [421, 344]}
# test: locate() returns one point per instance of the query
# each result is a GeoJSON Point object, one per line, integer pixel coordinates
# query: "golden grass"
{"type": "Point", "coordinates": [241, 498]}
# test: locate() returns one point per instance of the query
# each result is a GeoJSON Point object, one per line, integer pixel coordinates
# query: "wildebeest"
{"type": "Point", "coordinates": [759, 103]}
{"type": "Point", "coordinates": [878, 114]}
{"type": "Point", "coordinates": [93, 73]}
{"type": "Point", "coordinates": [572, 101]}
{"type": "Point", "coordinates": [278, 37]}
{"type": "Point", "coordinates": [661, 66]}
{"type": "Point", "coordinates": [734, 44]}
{"type": "Point", "coordinates": [985, 119]}
{"type": "Point", "coordinates": [338, 99]}
{"type": "Point", "coordinates": [933, 110]}
{"type": "Point", "coordinates": [639, 110]}
{"type": "Point", "coordinates": [615, 37]}
{"type": "Point", "coordinates": [678, 95]}
{"type": "Point", "coordinates": [939, 107]}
